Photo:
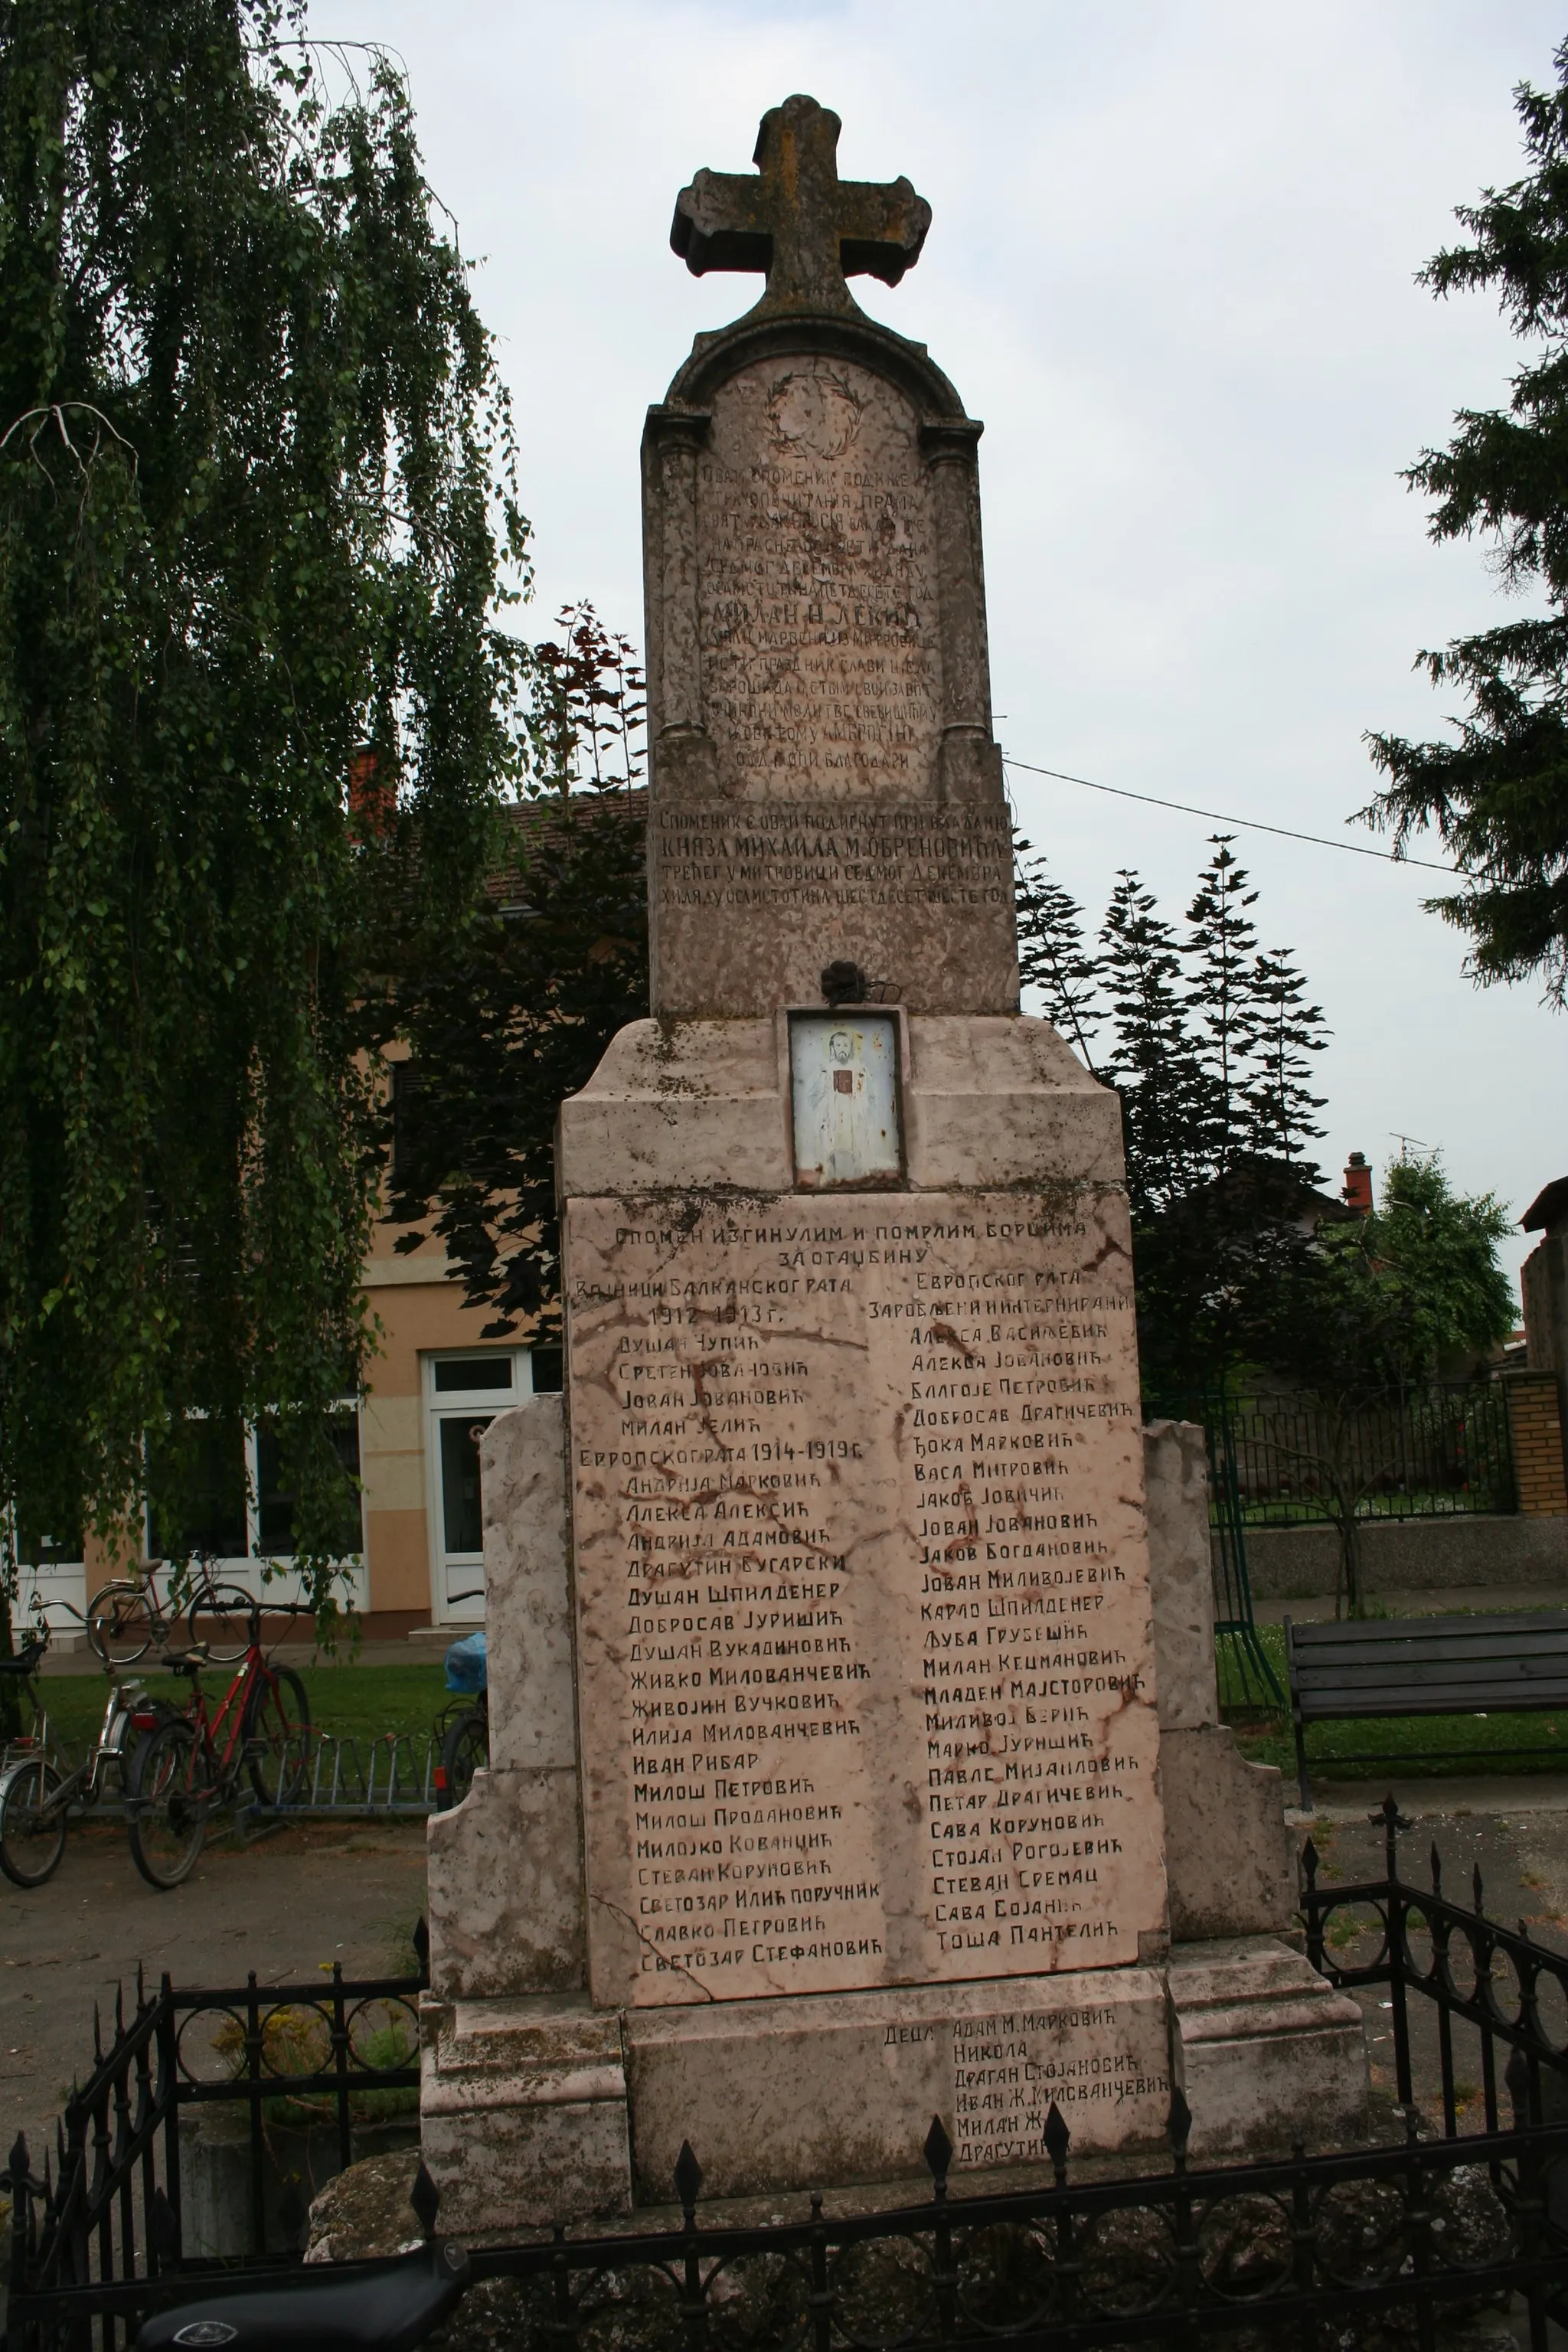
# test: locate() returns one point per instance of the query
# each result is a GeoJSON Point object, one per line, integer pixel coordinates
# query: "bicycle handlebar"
{"type": "Point", "coordinates": [387, 2306]}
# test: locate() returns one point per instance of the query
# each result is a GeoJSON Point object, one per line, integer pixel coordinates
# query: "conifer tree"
{"type": "Point", "coordinates": [1221, 953]}
{"type": "Point", "coordinates": [1496, 797]}
{"type": "Point", "coordinates": [1155, 1058]}
{"type": "Point", "coordinates": [1287, 1031]}
{"type": "Point", "coordinates": [1055, 958]}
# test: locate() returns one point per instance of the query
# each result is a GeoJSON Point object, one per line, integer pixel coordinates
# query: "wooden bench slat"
{"type": "Point", "coordinates": [1413, 1673]}
{"type": "Point", "coordinates": [1440, 1645]}
{"type": "Point", "coordinates": [1453, 1698]}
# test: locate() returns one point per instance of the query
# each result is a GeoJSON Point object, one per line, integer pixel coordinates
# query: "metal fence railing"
{"type": "Point", "coordinates": [101, 2226]}
{"type": "Point", "coordinates": [1430, 1453]}
{"type": "Point", "coordinates": [1462, 2213]}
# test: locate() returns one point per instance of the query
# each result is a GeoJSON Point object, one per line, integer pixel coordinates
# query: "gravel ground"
{"type": "Point", "coordinates": [287, 1907]}
{"type": "Point", "coordinates": [1518, 1840]}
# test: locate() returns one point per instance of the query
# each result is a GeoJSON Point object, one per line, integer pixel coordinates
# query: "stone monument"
{"type": "Point", "coordinates": [848, 1766]}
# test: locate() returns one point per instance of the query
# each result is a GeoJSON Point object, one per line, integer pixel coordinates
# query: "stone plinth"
{"type": "Point", "coordinates": [842, 2086]}
{"type": "Point", "coordinates": [522, 2112]}
{"type": "Point", "coordinates": [1267, 2053]}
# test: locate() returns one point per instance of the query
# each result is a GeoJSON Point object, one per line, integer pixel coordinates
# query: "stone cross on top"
{"type": "Point", "coordinates": [798, 221]}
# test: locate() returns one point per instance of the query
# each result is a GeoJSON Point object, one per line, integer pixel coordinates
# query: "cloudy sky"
{"type": "Point", "coordinates": [1172, 268]}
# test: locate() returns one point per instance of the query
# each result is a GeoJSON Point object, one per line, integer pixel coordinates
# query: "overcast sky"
{"type": "Point", "coordinates": [1172, 268]}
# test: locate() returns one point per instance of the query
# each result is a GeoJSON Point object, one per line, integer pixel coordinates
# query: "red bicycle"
{"type": "Point", "coordinates": [187, 1766]}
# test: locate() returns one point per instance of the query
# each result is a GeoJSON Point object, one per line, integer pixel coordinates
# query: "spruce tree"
{"type": "Point", "coordinates": [1496, 797]}
{"type": "Point", "coordinates": [1056, 957]}
{"type": "Point", "coordinates": [1158, 1066]}
{"type": "Point", "coordinates": [1221, 951]}
{"type": "Point", "coordinates": [1279, 1102]}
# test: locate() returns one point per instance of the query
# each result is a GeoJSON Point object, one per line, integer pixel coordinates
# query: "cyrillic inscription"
{"type": "Point", "coordinates": [863, 1609]}
{"type": "Point", "coordinates": [817, 603]}
{"type": "Point", "coordinates": [783, 853]}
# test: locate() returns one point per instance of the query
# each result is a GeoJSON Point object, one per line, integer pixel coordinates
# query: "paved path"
{"type": "Point", "coordinates": [283, 1906]}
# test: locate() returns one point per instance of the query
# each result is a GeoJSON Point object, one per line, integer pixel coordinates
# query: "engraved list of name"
{"type": "Point", "coordinates": [817, 600]}
{"type": "Point", "coordinates": [863, 1597]}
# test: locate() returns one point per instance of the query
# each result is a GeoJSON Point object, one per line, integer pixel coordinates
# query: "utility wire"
{"type": "Point", "coordinates": [1249, 823]}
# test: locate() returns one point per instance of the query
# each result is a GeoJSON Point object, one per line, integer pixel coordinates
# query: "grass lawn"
{"type": "Point", "coordinates": [1397, 1740]}
{"type": "Point", "coordinates": [346, 1699]}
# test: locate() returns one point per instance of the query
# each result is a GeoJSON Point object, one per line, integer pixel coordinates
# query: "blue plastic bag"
{"type": "Point", "coordinates": [468, 1668]}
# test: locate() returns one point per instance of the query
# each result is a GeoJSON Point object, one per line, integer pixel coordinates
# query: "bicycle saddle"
{"type": "Point", "coordinates": [389, 2307]}
{"type": "Point", "coordinates": [25, 1660]}
{"type": "Point", "coordinates": [184, 1661]}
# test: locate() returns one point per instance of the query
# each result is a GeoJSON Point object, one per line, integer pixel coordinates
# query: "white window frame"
{"type": "Point", "coordinates": [451, 1404]}
{"type": "Point", "coordinates": [285, 1582]}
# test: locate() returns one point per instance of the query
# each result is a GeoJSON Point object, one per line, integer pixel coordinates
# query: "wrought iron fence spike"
{"type": "Point", "coordinates": [425, 2199]}
{"type": "Point", "coordinates": [1310, 1858]}
{"type": "Point", "coordinates": [141, 1985]}
{"type": "Point", "coordinates": [119, 2007]}
{"type": "Point", "coordinates": [1476, 1888]}
{"type": "Point", "coordinates": [163, 2228]}
{"type": "Point", "coordinates": [97, 2035]}
{"type": "Point", "coordinates": [1436, 1869]}
{"type": "Point", "coordinates": [688, 2179]}
{"type": "Point", "coordinates": [19, 2157]}
{"type": "Point", "coordinates": [1180, 2122]}
{"type": "Point", "coordinates": [1057, 2137]}
{"type": "Point", "coordinates": [938, 2150]}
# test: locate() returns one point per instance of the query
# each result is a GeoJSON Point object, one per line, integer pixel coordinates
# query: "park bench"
{"type": "Point", "coordinates": [1425, 1665]}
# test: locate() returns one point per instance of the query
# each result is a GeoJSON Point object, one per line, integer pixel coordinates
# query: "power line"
{"type": "Point", "coordinates": [1247, 824]}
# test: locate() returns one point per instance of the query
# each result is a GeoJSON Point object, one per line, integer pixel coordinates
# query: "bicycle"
{"type": "Point", "coordinates": [181, 1774]}
{"type": "Point", "coordinates": [464, 1732]}
{"type": "Point", "coordinates": [125, 1616]}
{"type": "Point", "coordinates": [465, 1750]}
{"type": "Point", "coordinates": [37, 1793]}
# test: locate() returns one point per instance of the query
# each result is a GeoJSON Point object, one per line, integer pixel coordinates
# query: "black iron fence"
{"type": "Point", "coordinates": [106, 2215]}
{"type": "Point", "coordinates": [1427, 1453]}
{"type": "Point", "coordinates": [1380, 2245]}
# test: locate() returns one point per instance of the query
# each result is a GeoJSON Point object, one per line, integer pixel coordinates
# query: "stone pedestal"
{"type": "Point", "coordinates": [535, 2098]}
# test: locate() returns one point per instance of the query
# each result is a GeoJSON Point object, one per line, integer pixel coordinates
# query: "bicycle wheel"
{"type": "Point", "coordinates": [32, 1839]}
{"type": "Point", "coordinates": [123, 1623]}
{"type": "Point", "coordinates": [465, 1750]}
{"type": "Point", "coordinates": [220, 1623]}
{"type": "Point", "coordinates": [171, 1797]}
{"type": "Point", "coordinates": [277, 1735]}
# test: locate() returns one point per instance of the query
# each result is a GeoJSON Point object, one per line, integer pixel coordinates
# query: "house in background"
{"type": "Point", "coordinates": [412, 1439]}
{"type": "Point", "coordinates": [413, 1545]}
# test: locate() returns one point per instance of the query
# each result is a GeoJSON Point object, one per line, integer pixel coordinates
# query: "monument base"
{"type": "Point", "coordinates": [541, 2109]}
{"type": "Point", "coordinates": [1267, 2054]}
{"type": "Point", "coordinates": [522, 2111]}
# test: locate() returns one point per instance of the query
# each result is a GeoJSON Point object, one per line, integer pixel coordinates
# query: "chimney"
{"type": "Point", "coordinates": [1357, 1194]}
{"type": "Point", "coordinates": [372, 807]}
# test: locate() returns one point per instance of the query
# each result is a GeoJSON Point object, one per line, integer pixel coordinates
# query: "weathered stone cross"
{"type": "Point", "coordinates": [798, 220]}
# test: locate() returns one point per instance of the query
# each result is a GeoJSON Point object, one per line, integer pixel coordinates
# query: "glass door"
{"type": "Point", "coordinates": [464, 1394]}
